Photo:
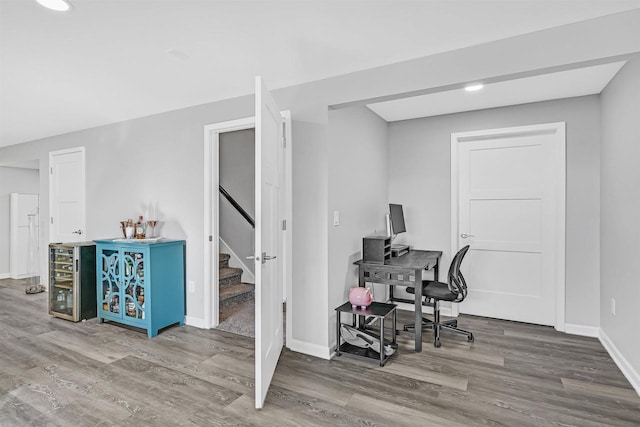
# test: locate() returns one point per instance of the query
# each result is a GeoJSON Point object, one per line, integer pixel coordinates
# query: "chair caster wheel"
{"type": "Point", "coordinates": [437, 344]}
{"type": "Point", "coordinates": [470, 338]}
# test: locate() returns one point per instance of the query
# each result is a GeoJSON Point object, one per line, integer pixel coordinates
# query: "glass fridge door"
{"type": "Point", "coordinates": [61, 276]}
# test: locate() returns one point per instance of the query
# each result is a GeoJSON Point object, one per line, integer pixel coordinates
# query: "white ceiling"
{"type": "Point", "coordinates": [109, 60]}
{"type": "Point", "coordinates": [564, 84]}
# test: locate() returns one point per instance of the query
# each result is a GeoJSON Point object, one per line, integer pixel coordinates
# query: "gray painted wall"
{"type": "Point", "coordinates": [358, 179]}
{"type": "Point", "coordinates": [160, 158]}
{"type": "Point", "coordinates": [12, 180]}
{"type": "Point", "coordinates": [130, 165]}
{"type": "Point", "coordinates": [620, 212]}
{"type": "Point", "coordinates": [420, 179]}
{"type": "Point", "coordinates": [309, 297]}
{"type": "Point", "coordinates": [237, 176]}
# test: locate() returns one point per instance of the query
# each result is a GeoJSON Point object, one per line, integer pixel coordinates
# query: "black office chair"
{"type": "Point", "coordinates": [454, 291]}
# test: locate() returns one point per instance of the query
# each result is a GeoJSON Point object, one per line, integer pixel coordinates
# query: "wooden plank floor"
{"type": "Point", "coordinates": [54, 372]}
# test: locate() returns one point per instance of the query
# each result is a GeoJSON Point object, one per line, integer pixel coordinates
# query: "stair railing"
{"type": "Point", "coordinates": [236, 205]}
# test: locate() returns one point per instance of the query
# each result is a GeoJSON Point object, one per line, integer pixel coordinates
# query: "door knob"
{"type": "Point", "coordinates": [465, 235]}
{"type": "Point", "coordinates": [266, 257]}
{"type": "Point", "coordinates": [77, 232]}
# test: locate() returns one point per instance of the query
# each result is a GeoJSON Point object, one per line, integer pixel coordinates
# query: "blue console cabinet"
{"type": "Point", "coordinates": [141, 284]}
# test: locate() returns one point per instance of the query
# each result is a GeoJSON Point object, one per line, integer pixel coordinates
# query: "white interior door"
{"type": "Point", "coordinates": [67, 221]}
{"type": "Point", "coordinates": [22, 205]}
{"type": "Point", "coordinates": [511, 212]}
{"type": "Point", "coordinates": [268, 252]}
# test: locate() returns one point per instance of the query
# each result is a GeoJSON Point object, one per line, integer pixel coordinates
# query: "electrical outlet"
{"type": "Point", "coordinates": [613, 307]}
{"type": "Point", "coordinates": [192, 286]}
{"type": "Point", "coordinates": [336, 218]}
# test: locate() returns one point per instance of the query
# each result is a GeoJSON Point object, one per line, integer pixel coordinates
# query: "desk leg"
{"type": "Point", "coordinates": [382, 341]}
{"type": "Point", "coordinates": [393, 328]}
{"type": "Point", "coordinates": [338, 337]}
{"type": "Point", "coordinates": [361, 283]}
{"type": "Point", "coordinates": [418, 309]}
{"type": "Point", "coordinates": [436, 270]}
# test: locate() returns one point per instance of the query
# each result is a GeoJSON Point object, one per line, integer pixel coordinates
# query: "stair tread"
{"type": "Point", "coordinates": [235, 290]}
{"type": "Point", "coordinates": [226, 272]}
{"type": "Point", "coordinates": [223, 255]}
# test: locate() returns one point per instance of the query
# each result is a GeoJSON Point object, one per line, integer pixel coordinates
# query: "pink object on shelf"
{"type": "Point", "coordinates": [360, 297]}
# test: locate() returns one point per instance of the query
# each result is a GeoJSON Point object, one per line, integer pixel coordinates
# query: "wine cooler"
{"type": "Point", "coordinates": [72, 280]}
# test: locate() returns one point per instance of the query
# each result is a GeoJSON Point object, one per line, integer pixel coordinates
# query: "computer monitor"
{"type": "Point", "coordinates": [397, 219]}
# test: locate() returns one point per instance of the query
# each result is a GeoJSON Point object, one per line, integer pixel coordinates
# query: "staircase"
{"type": "Point", "coordinates": [233, 293]}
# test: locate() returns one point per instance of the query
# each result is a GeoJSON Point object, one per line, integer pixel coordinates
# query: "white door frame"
{"type": "Point", "coordinates": [558, 129]}
{"type": "Point", "coordinates": [211, 217]}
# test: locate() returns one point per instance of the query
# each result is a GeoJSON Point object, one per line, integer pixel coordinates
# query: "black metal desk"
{"type": "Point", "coordinates": [405, 270]}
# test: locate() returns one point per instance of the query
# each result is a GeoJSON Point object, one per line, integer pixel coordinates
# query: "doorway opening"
{"type": "Point", "coordinates": [236, 237]}
{"type": "Point", "coordinates": [229, 224]}
{"type": "Point", "coordinates": [20, 222]}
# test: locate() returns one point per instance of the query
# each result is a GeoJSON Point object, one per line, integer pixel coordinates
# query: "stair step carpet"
{"type": "Point", "coordinates": [223, 260]}
{"type": "Point", "coordinates": [234, 298]}
{"type": "Point", "coordinates": [232, 292]}
{"type": "Point", "coordinates": [229, 276]}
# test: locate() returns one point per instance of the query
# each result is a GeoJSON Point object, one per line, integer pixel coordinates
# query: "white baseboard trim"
{"type": "Point", "coordinates": [5, 275]}
{"type": "Point", "coordinates": [629, 372]}
{"type": "Point", "coordinates": [315, 350]}
{"type": "Point", "coordinates": [582, 330]}
{"type": "Point", "coordinates": [196, 322]}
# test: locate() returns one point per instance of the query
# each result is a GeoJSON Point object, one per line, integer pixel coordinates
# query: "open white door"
{"type": "Point", "coordinates": [268, 247]}
{"type": "Point", "coordinates": [67, 195]}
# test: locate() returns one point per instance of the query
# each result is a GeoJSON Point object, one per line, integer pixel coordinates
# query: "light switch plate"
{"type": "Point", "coordinates": [336, 218]}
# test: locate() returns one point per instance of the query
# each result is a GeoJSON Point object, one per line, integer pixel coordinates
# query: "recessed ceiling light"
{"type": "Point", "coordinates": [473, 87]}
{"type": "Point", "coordinates": [57, 5]}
